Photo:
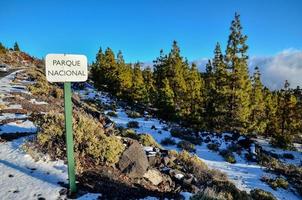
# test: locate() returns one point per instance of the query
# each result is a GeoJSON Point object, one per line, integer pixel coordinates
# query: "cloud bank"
{"type": "Point", "coordinates": [286, 65]}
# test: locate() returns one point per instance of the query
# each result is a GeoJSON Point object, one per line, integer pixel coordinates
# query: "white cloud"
{"type": "Point", "coordinates": [286, 65]}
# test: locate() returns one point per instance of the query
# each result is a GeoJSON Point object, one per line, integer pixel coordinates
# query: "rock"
{"type": "Point", "coordinates": [207, 140]}
{"type": "Point", "coordinates": [176, 174]}
{"type": "Point", "coordinates": [245, 143]}
{"type": "Point", "coordinates": [154, 176]}
{"type": "Point", "coordinates": [166, 160]}
{"type": "Point", "coordinates": [154, 161]}
{"type": "Point", "coordinates": [134, 161]}
{"type": "Point", "coordinates": [188, 179]}
{"type": "Point", "coordinates": [194, 189]}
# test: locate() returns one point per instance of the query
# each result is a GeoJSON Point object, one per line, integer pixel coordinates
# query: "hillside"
{"type": "Point", "coordinates": [127, 149]}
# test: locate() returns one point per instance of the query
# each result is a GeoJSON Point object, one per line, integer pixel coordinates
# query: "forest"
{"type": "Point", "coordinates": [223, 98]}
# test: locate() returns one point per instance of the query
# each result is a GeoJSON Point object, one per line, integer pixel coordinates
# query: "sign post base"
{"type": "Point", "coordinates": [69, 137]}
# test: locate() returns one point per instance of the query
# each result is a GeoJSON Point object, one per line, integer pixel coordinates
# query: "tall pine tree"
{"type": "Point", "coordinates": [257, 117]}
{"type": "Point", "coordinates": [240, 84]}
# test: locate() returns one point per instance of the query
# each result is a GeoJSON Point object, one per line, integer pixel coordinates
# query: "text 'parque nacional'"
{"type": "Point", "coordinates": [66, 68]}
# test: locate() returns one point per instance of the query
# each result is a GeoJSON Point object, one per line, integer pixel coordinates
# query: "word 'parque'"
{"type": "Point", "coordinates": [68, 63]}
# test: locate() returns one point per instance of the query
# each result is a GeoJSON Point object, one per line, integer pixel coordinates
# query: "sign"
{"type": "Point", "coordinates": [66, 68]}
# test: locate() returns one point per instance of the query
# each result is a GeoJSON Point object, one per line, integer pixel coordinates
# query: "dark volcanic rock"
{"type": "Point", "coordinates": [134, 161]}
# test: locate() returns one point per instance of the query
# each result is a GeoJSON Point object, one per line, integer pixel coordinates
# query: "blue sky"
{"type": "Point", "coordinates": [141, 28]}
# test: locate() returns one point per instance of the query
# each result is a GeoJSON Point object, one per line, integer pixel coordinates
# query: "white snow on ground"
{"type": "Point", "coordinates": [18, 127]}
{"type": "Point", "coordinates": [297, 154]}
{"type": "Point", "coordinates": [34, 101]}
{"type": "Point", "coordinates": [245, 175]}
{"type": "Point", "coordinates": [23, 178]}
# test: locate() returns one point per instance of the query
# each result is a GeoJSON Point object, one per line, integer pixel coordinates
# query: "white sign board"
{"type": "Point", "coordinates": [66, 68]}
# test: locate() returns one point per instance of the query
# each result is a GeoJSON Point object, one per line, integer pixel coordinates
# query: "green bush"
{"type": "Point", "coordinates": [210, 194]}
{"type": "Point", "coordinates": [148, 140]}
{"type": "Point", "coordinates": [259, 194]}
{"type": "Point", "coordinates": [90, 140]}
{"type": "Point", "coordinates": [288, 156]}
{"type": "Point", "coordinates": [185, 135]}
{"type": "Point", "coordinates": [133, 124]}
{"type": "Point", "coordinates": [213, 147]}
{"type": "Point", "coordinates": [133, 114]}
{"type": "Point", "coordinates": [42, 87]}
{"type": "Point", "coordinates": [168, 141]}
{"type": "Point", "coordinates": [228, 156]}
{"type": "Point", "coordinates": [112, 114]}
{"type": "Point", "coordinates": [130, 133]}
{"type": "Point", "coordinates": [185, 145]}
{"type": "Point", "coordinates": [276, 183]}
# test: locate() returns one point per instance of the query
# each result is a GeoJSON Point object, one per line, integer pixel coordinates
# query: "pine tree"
{"type": "Point", "coordinates": [287, 126]}
{"type": "Point", "coordinates": [124, 72]}
{"type": "Point", "coordinates": [2, 49]}
{"type": "Point", "coordinates": [97, 74]}
{"type": "Point", "coordinates": [257, 117]}
{"type": "Point", "coordinates": [240, 84]}
{"type": "Point", "coordinates": [150, 85]}
{"type": "Point", "coordinates": [271, 106]}
{"type": "Point", "coordinates": [165, 101]}
{"type": "Point", "coordinates": [174, 68]}
{"type": "Point", "coordinates": [194, 98]}
{"type": "Point", "coordinates": [138, 90]}
{"type": "Point", "coordinates": [210, 97]}
{"type": "Point", "coordinates": [221, 91]}
{"type": "Point", "coordinates": [16, 47]}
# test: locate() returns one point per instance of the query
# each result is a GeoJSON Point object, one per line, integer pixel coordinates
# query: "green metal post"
{"type": "Point", "coordinates": [69, 137]}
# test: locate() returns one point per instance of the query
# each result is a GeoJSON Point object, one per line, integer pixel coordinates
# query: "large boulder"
{"type": "Point", "coordinates": [154, 176]}
{"type": "Point", "coordinates": [134, 161]}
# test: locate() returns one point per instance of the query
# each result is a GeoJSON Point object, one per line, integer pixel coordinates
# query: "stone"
{"type": "Point", "coordinates": [166, 160]}
{"type": "Point", "coordinates": [154, 176]}
{"type": "Point", "coordinates": [154, 161]}
{"type": "Point", "coordinates": [134, 161]}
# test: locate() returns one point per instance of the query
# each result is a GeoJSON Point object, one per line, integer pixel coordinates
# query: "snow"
{"type": "Point", "coordinates": [18, 127]}
{"type": "Point", "coordinates": [297, 154]}
{"type": "Point", "coordinates": [245, 175]}
{"type": "Point", "coordinates": [34, 101]}
{"type": "Point", "coordinates": [23, 178]}
{"type": "Point", "coordinates": [90, 196]}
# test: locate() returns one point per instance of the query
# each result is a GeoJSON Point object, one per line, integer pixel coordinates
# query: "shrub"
{"type": "Point", "coordinates": [228, 156]}
{"type": "Point", "coordinates": [275, 183]}
{"type": "Point", "coordinates": [89, 137]}
{"type": "Point", "coordinates": [133, 114]}
{"type": "Point", "coordinates": [2, 106]}
{"type": "Point", "coordinates": [192, 164]}
{"type": "Point", "coordinates": [210, 194]}
{"type": "Point", "coordinates": [168, 141]}
{"type": "Point", "coordinates": [112, 114]}
{"type": "Point", "coordinates": [259, 194]}
{"type": "Point", "coordinates": [148, 140]}
{"type": "Point", "coordinates": [42, 87]}
{"type": "Point", "coordinates": [288, 156]}
{"type": "Point", "coordinates": [213, 147]}
{"type": "Point", "coordinates": [133, 124]}
{"type": "Point", "coordinates": [57, 93]}
{"type": "Point", "coordinates": [185, 145]}
{"type": "Point", "coordinates": [185, 135]}
{"type": "Point", "coordinates": [130, 133]}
